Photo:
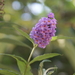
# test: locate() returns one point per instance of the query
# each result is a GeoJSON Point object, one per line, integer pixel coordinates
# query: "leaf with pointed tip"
{"type": "Point", "coordinates": [41, 70]}
{"type": "Point", "coordinates": [62, 37]}
{"type": "Point", "coordinates": [45, 56]}
{"type": "Point", "coordinates": [7, 72]}
{"type": "Point", "coordinates": [15, 42]}
{"type": "Point", "coordinates": [23, 33]}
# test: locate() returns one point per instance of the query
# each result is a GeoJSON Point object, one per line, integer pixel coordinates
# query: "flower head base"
{"type": "Point", "coordinates": [44, 30]}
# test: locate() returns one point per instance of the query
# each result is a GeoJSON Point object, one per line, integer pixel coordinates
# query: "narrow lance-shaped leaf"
{"type": "Point", "coordinates": [41, 69]}
{"type": "Point", "coordinates": [7, 72]}
{"type": "Point", "coordinates": [62, 37]}
{"type": "Point", "coordinates": [45, 56]}
{"type": "Point", "coordinates": [24, 34]}
{"type": "Point", "coordinates": [15, 42]}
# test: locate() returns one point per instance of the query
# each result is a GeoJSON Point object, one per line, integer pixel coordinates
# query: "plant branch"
{"type": "Point", "coordinates": [32, 52]}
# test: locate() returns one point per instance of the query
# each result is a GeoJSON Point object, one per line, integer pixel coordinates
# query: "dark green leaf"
{"type": "Point", "coordinates": [15, 42]}
{"type": "Point", "coordinates": [24, 68]}
{"type": "Point", "coordinates": [21, 66]}
{"type": "Point", "coordinates": [7, 72]}
{"type": "Point", "coordinates": [7, 24]}
{"type": "Point", "coordinates": [24, 34]}
{"type": "Point", "coordinates": [20, 62]}
{"type": "Point", "coordinates": [62, 37]}
{"type": "Point", "coordinates": [8, 30]}
{"type": "Point", "coordinates": [45, 56]}
{"type": "Point", "coordinates": [27, 70]}
{"type": "Point", "coordinates": [2, 66]}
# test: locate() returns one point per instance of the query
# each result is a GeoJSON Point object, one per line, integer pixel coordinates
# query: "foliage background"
{"type": "Point", "coordinates": [25, 14]}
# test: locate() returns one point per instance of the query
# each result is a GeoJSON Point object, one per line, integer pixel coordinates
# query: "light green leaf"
{"type": "Point", "coordinates": [49, 71]}
{"type": "Point", "coordinates": [41, 70]}
{"type": "Point", "coordinates": [45, 56]}
{"type": "Point", "coordinates": [62, 37]}
{"type": "Point", "coordinates": [41, 64]}
{"type": "Point", "coordinates": [15, 42]}
{"type": "Point", "coordinates": [54, 38]}
{"type": "Point", "coordinates": [24, 34]}
{"type": "Point", "coordinates": [7, 72]}
{"type": "Point", "coordinates": [74, 74]}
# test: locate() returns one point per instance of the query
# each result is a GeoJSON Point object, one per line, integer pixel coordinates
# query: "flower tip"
{"type": "Point", "coordinates": [51, 15]}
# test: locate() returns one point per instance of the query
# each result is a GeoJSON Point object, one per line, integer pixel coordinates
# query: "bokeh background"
{"type": "Point", "coordinates": [25, 14]}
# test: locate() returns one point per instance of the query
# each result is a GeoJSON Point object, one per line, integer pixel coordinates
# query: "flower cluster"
{"type": "Point", "coordinates": [44, 30]}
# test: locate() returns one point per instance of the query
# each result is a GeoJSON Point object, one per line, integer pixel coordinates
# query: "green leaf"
{"type": "Point", "coordinates": [62, 37]}
{"type": "Point", "coordinates": [15, 42]}
{"type": "Point", "coordinates": [41, 70]}
{"type": "Point", "coordinates": [22, 64]}
{"type": "Point", "coordinates": [7, 24]}
{"type": "Point", "coordinates": [24, 34]}
{"type": "Point", "coordinates": [27, 70]}
{"type": "Point", "coordinates": [6, 67]}
{"type": "Point", "coordinates": [54, 38]}
{"type": "Point", "coordinates": [45, 56]}
{"type": "Point", "coordinates": [49, 71]}
{"type": "Point", "coordinates": [7, 72]}
{"type": "Point", "coordinates": [8, 30]}
{"type": "Point", "coordinates": [74, 74]}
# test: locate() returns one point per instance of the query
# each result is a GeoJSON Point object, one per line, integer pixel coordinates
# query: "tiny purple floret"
{"type": "Point", "coordinates": [51, 15]}
{"type": "Point", "coordinates": [44, 30]}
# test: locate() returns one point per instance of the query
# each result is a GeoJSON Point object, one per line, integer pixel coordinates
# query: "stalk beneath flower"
{"type": "Point", "coordinates": [32, 52]}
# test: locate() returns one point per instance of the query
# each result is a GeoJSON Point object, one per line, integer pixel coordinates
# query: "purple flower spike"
{"type": "Point", "coordinates": [51, 15]}
{"type": "Point", "coordinates": [44, 30]}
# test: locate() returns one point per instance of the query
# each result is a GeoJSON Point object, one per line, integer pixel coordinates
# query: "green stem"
{"type": "Point", "coordinates": [32, 52]}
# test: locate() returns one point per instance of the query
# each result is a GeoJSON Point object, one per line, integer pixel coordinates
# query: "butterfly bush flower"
{"type": "Point", "coordinates": [44, 30]}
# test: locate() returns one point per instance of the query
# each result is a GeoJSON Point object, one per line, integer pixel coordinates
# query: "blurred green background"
{"type": "Point", "coordinates": [25, 14]}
